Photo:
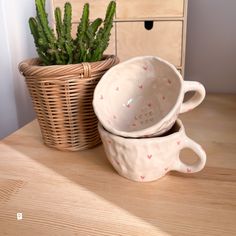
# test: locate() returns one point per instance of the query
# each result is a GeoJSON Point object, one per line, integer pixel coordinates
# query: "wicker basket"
{"type": "Point", "coordinates": [62, 98]}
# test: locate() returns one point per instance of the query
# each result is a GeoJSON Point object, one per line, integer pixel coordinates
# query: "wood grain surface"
{"type": "Point", "coordinates": [134, 9]}
{"type": "Point", "coordinates": [163, 40]}
{"type": "Point", "coordinates": [79, 193]}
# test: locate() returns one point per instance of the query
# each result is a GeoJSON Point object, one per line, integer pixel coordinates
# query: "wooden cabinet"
{"type": "Point", "coordinates": [135, 9]}
{"type": "Point", "coordinates": [150, 27]}
{"type": "Point", "coordinates": [97, 8]}
{"type": "Point", "coordinates": [164, 40]}
{"type": "Point", "coordinates": [165, 35]}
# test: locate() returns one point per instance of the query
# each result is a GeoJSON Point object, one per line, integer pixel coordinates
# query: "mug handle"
{"type": "Point", "coordinates": [197, 98]}
{"type": "Point", "coordinates": [199, 165]}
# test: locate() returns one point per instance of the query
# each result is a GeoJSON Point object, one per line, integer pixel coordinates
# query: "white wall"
{"type": "Point", "coordinates": [16, 44]}
{"type": "Point", "coordinates": [211, 44]}
{"type": "Point", "coordinates": [8, 114]}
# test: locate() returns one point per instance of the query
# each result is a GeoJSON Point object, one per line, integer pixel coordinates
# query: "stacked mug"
{"type": "Point", "coordinates": [137, 103]}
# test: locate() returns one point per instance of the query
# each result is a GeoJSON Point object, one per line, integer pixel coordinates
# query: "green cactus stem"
{"type": "Point", "coordinates": [90, 36]}
{"type": "Point", "coordinates": [103, 36]}
{"type": "Point", "coordinates": [59, 25]}
{"type": "Point", "coordinates": [67, 20]}
{"type": "Point", "coordinates": [60, 48]}
{"type": "Point", "coordinates": [34, 30]}
{"type": "Point", "coordinates": [39, 42]}
{"type": "Point", "coordinates": [80, 35]}
{"type": "Point", "coordinates": [43, 19]}
{"type": "Point", "coordinates": [67, 27]}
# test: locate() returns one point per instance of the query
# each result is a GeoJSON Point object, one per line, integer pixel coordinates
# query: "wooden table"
{"type": "Point", "coordinates": [79, 193]}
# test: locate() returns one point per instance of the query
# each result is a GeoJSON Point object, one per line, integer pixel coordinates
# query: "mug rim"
{"type": "Point", "coordinates": [141, 132]}
{"type": "Point", "coordinates": [148, 139]}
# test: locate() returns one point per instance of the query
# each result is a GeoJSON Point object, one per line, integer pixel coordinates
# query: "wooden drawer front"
{"type": "Point", "coordinates": [97, 8]}
{"type": "Point", "coordinates": [111, 48]}
{"type": "Point", "coordinates": [133, 9]}
{"type": "Point", "coordinates": [163, 40]}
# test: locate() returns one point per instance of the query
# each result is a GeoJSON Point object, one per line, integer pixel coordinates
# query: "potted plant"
{"type": "Point", "coordinates": [62, 79]}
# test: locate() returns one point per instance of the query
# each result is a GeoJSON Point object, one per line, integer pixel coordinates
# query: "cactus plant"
{"type": "Point", "coordinates": [92, 38]}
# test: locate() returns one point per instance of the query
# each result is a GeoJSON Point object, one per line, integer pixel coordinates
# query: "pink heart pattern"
{"type": "Point", "coordinates": [149, 156]}
{"type": "Point", "coordinates": [142, 177]}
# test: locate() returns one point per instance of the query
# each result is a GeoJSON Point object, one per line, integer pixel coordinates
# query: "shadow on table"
{"type": "Point", "coordinates": [168, 204]}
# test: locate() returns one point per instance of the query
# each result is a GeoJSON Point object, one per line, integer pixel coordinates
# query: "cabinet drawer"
{"type": "Point", "coordinates": [111, 48]}
{"type": "Point", "coordinates": [97, 8]}
{"type": "Point", "coordinates": [163, 40]}
{"type": "Point", "coordinates": [133, 9]}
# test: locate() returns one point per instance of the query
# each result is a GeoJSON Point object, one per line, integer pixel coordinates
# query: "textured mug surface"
{"type": "Point", "coordinates": [148, 159]}
{"type": "Point", "coordinates": [143, 97]}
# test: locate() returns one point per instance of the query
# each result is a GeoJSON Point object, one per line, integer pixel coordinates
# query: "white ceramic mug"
{"type": "Point", "coordinates": [143, 97]}
{"type": "Point", "coordinates": [148, 159]}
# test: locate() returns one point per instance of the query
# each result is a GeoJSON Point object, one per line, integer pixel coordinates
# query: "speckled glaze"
{"type": "Point", "coordinates": [148, 159]}
{"type": "Point", "coordinates": [143, 97]}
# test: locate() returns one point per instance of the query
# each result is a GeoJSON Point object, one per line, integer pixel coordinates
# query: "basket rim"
{"type": "Point", "coordinates": [31, 66]}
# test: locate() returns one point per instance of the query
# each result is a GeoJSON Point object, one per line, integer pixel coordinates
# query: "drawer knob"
{"type": "Point", "coordinates": [148, 24]}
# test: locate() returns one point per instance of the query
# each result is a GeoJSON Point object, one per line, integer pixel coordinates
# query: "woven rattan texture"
{"type": "Point", "coordinates": [62, 98]}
